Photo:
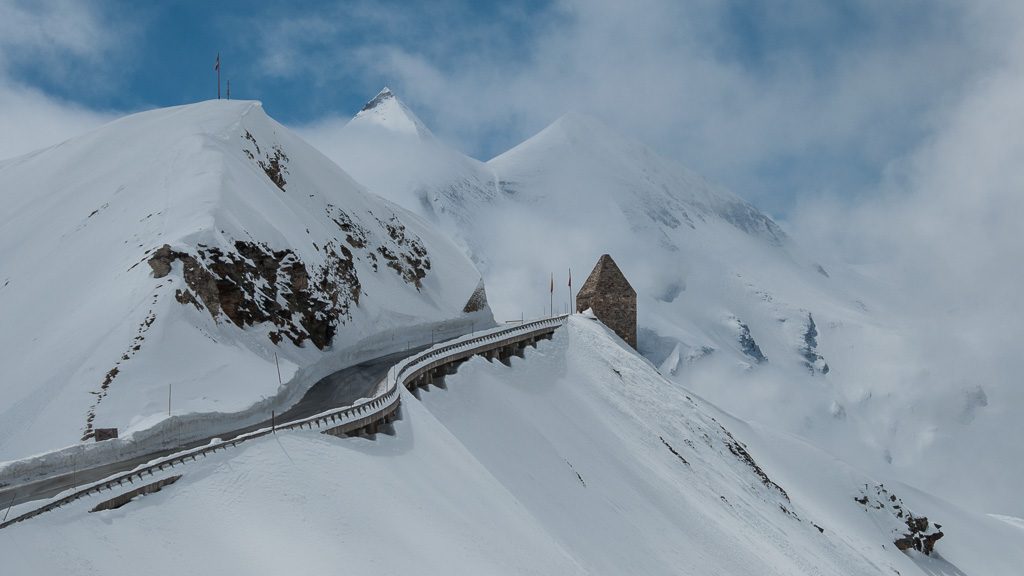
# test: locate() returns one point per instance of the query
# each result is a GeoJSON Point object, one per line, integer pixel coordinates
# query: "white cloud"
{"type": "Point", "coordinates": [814, 97]}
{"type": "Point", "coordinates": [30, 120]}
{"type": "Point", "coordinates": [55, 39]}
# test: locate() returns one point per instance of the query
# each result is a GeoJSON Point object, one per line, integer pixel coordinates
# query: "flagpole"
{"type": "Point", "coordinates": [570, 291]}
{"type": "Point", "coordinates": [218, 75]}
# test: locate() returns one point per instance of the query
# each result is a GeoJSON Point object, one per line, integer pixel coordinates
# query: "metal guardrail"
{"type": "Point", "coordinates": [373, 409]}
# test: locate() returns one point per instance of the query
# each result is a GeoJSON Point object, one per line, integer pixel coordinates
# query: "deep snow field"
{"type": "Point", "coordinates": [557, 465]}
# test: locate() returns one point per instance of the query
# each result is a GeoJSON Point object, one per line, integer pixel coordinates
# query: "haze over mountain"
{"type": "Point", "coordinates": [194, 247]}
{"type": "Point", "coordinates": [729, 305]}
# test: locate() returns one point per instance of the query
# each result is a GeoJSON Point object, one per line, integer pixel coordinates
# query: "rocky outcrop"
{"type": "Point", "coordinates": [814, 361]}
{"type": "Point", "coordinates": [89, 431]}
{"type": "Point", "coordinates": [407, 256]}
{"type": "Point", "coordinates": [739, 450]}
{"type": "Point", "coordinates": [910, 531]}
{"type": "Point", "coordinates": [254, 284]}
{"type": "Point", "coordinates": [274, 162]}
{"type": "Point", "coordinates": [748, 345]}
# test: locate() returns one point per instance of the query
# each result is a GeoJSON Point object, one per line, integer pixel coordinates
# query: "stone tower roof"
{"type": "Point", "coordinates": [606, 278]}
{"type": "Point", "coordinates": [610, 296]}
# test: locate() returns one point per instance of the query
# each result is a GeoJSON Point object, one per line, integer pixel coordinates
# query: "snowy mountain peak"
{"type": "Point", "coordinates": [385, 110]}
{"type": "Point", "coordinates": [381, 96]}
{"type": "Point", "coordinates": [208, 232]}
{"type": "Point", "coordinates": [577, 151]}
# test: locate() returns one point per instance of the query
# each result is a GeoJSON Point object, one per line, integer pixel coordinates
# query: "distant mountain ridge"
{"type": "Point", "coordinates": [729, 305]}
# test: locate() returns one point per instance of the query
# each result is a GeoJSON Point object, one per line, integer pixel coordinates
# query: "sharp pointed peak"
{"type": "Point", "coordinates": [385, 110]}
{"type": "Point", "coordinates": [382, 96]}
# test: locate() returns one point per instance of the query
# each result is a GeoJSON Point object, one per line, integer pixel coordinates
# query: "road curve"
{"type": "Point", "coordinates": [341, 388]}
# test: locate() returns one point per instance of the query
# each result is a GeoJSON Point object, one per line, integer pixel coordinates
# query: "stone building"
{"type": "Point", "coordinates": [613, 300]}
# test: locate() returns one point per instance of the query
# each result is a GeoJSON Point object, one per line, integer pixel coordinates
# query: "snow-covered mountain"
{"type": "Point", "coordinates": [168, 260]}
{"type": "Point", "coordinates": [579, 459]}
{"type": "Point", "coordinates": [440, 184]}
{"type": "Point", "coordinates": [729, 305]}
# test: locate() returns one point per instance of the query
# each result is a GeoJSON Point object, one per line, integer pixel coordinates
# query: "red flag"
{"type": "Point", "coordinates": [552, 282]}
{"type": "Point", "coordinates": [570, 277]}
{"type": "Point", "coordinates": [216, 65]}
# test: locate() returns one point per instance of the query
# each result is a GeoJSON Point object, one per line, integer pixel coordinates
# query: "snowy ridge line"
{"type": "Point", "coordinates": [371, 409]}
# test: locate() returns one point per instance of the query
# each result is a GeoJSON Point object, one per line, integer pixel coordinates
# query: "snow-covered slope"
{"type": "Point", "coordinates": [580, 459]}
{"type": "Point", "coordinates": [170, 256]}
{"type": "Point", "coordinates": [387, 147]}
{"type": "Point", "coordinates": [728, 304]}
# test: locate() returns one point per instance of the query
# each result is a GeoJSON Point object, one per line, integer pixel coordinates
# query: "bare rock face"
{"type": "Point", "coordinates": [254, 284]}
{"type": "Point", "coordinates": [161, 260]}
{"type": "Point", "coordinates": [610, 296]}
{"type": "Point", "coordinates": [813, 360]}
{"type": "Point", "coordinates": [917, 535]}
{"type": "Point", "coordinates": [274, 165]}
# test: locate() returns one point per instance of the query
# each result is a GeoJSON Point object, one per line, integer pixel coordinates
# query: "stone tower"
{"type": "Point", "coordinates": [613, 300]}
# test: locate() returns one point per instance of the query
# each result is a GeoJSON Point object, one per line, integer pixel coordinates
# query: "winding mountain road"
{"type": "Point", "coordinates": [341, 388]}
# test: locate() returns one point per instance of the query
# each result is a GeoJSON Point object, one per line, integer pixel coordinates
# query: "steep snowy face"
{"type": "Point", "coordinates": [654, 194]}
{"type": "Point", "coordinates": [732, 308]}
{"type": "Point", "coordinates": [185, 248]}
{"type": "Point", "coordinates": [727, 303]}
{"type": "Point", "coordinates": [577, 459]}
{"type": "Point", "coordinates": [387, 112]}
{"type": "Point", "coordinates": [387, 148]}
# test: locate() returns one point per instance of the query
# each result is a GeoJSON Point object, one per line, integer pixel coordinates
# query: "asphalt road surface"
{"type": "Point", "coordinates": [341, 388]}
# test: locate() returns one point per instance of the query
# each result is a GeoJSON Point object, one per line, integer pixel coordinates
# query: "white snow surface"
{"type": "Point", "coordinates": [713, 276]}
{"type": "Point", "coordinates": [387, 145]}
{"type": "Point", "coordinates": [558, 465]}
{"type": "Point", "coordinates": [76, 295]}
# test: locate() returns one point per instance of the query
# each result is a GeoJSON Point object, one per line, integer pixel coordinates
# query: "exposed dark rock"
{"type": "Point", "coordinates": [814, 361]}
{"type": "Point", "coordinates": [161, 260]}
{"type": "Point", "coordinates": [748, 345]}
{"type": "Point", "coordinates": [254, 284]}
{"type": "Point", "coordinates": [111, 375]}
{"type": "Point", "coordinates": [355, 234]}
{"type": "Point", "coordinates": [917, 534]}
{"type": "Point", "coordinates": [186, 297]}
{"type": "Point", "coordinates": [740, 451]}
{"type": "Point", "coordinates": [274, 165]}
{"type": "Point", "coordinates": [408, 257]}
{"type": "Point", "coordinates": [381, 96]}
{"type": "Point", "coordinates": [673, 451]}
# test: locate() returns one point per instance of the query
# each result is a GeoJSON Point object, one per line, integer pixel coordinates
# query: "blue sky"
{"type": "Point", "coordinates": [782, 101]}
{"type": "Point", "coordinates": [165, 51]}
